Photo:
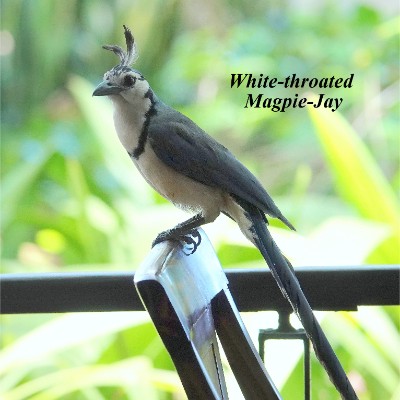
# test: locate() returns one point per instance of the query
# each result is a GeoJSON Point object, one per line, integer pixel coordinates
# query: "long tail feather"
{"type": "Point", "coordinates": [284, 275]}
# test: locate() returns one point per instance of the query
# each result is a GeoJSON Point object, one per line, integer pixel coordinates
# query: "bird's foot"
{"type": "Point", "coordinates": [189, 242]}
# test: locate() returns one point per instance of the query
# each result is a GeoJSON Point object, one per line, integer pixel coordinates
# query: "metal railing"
{"type": "Point", "coordinates": [328, 288]}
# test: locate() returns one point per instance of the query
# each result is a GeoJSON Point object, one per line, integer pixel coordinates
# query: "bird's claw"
{"type": "Point", "coordinates": [192, 239]}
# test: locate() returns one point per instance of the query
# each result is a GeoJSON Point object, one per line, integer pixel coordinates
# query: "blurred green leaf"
{"type": "Point", "coordinates": [357, 175]}
{"type": "Point", "coordinates": [229, 254]}
{"type": "Point", "coordinates": [342, 328]}
{"type": "Point", "coordinates": [31, 347]}
{"type": "Point", "coordinates": [134, 377]}
{"type": "Point", "coordinates": [17, 184]}
{"type": "Point", "coordinates": [80, 192]}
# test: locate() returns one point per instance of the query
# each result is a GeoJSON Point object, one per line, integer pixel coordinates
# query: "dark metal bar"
{"type": "Point", "coordinates": [285, 331]}
{"type": "Point", "coordinates": [327, 288]}
{"type": "Point", "coordinates": [68, 292]}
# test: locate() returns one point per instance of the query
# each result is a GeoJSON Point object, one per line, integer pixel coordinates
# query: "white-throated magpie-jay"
{"type": "Point", "coordinates": [195, 172]}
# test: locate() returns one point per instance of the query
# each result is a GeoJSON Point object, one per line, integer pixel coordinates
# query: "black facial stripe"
{"type": "Point", "coordinates": [145, 129]}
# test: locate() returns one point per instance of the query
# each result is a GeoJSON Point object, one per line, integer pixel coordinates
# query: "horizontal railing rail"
{"type": "Point", "coordinates": [327, 288]}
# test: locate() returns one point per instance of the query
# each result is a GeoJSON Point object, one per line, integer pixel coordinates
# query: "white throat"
{"type": "Point", "coordinates": [129, 115]}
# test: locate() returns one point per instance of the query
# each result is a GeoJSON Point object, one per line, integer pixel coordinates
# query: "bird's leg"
{"type": "Point", "coordinates": [184, 232]}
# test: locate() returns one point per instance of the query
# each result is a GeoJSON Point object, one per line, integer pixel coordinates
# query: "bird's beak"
{"type": "Point", "coordinates": [106, 88]}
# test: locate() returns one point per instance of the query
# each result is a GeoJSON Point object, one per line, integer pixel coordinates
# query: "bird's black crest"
{"type": "Point", "coordinates": [129, 57]}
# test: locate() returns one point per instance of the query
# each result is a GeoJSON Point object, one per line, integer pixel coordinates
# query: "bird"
{"type": "Point", "coordinates": [199, 175]}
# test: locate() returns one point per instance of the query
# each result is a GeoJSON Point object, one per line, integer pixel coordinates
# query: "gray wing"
{"type": "Point", "coordinates": [183, 146]}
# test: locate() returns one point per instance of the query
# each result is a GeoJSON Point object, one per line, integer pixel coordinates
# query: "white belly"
{"type": "Point", "coordinates": [177, 188]}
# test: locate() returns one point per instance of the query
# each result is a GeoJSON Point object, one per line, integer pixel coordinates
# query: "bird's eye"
{"type": "Point", "coordinates": [129, 80]}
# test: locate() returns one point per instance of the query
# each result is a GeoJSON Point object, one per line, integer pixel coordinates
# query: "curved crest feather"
{"type": "Point", "coordinates": [129, 57]}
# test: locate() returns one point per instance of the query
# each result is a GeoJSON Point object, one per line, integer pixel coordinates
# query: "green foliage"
{"type": "Point", "coordinates": [72, 200]}
{"type": "Point", "coordinates": [359, 179]}
{"type": "Point", "coordinates": [109, 356]}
